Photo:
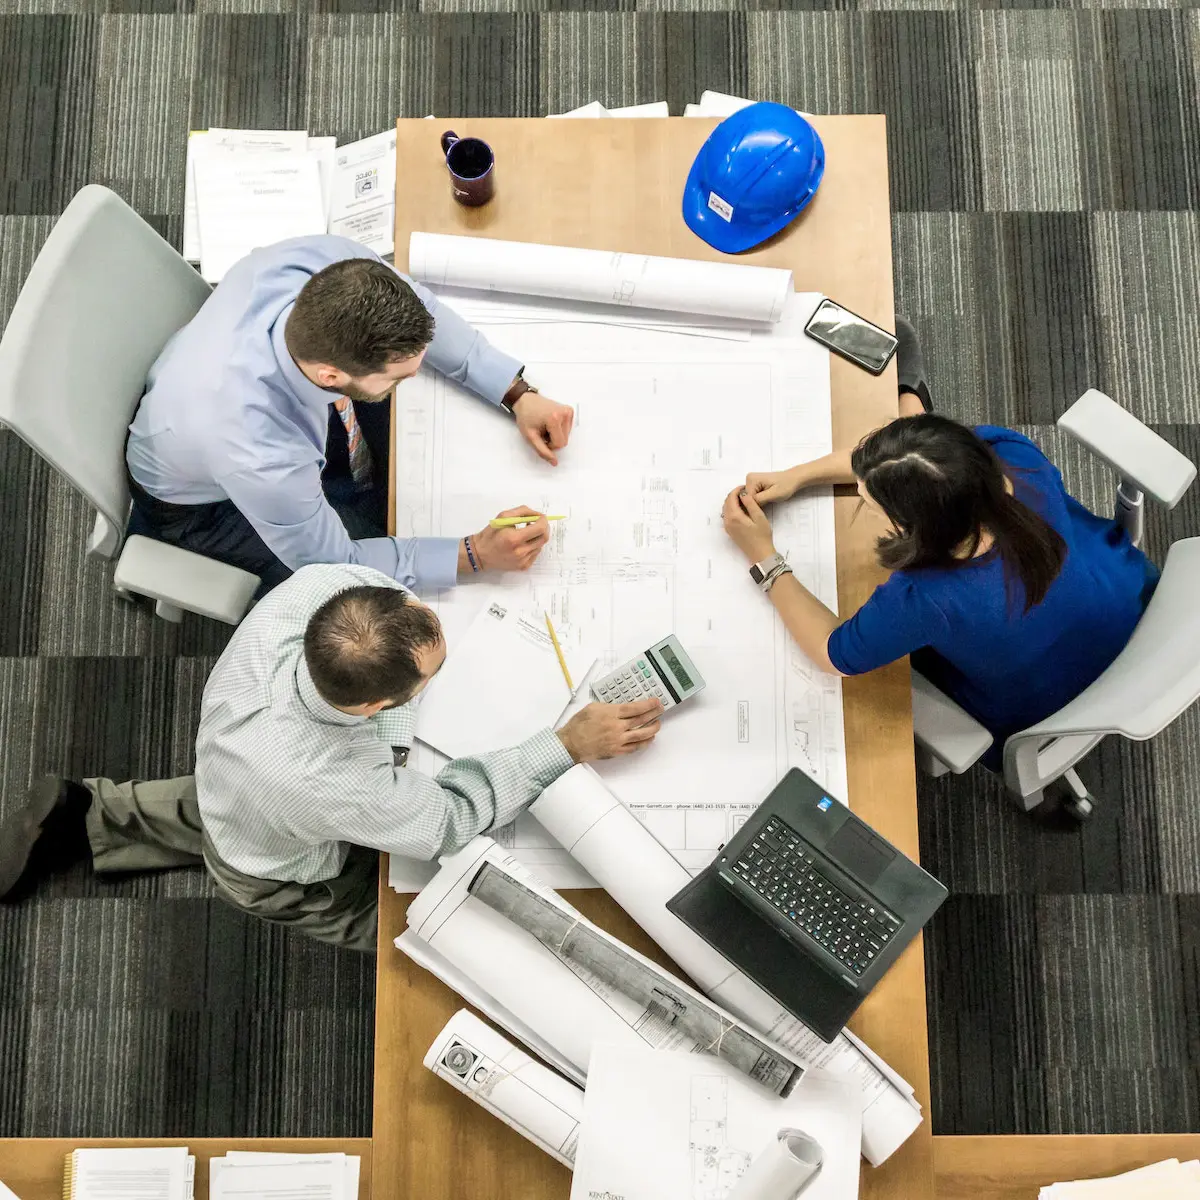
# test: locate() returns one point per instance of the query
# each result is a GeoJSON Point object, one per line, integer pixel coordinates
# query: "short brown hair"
{"type": "Point", "coordinates": [357, 315]}
{"type": "Point", "coordinates": [361, 645]}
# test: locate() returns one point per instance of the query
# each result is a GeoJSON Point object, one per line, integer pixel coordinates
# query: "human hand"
{"type": "Point", "coordinates": [768, 486]}
{"type": "Point", "coordinates": [606, 730]}
{"type": "Point", "coordinates": [544, 424]}
{"type": "Point", "coordinates": [747, 525]}
{"type": "Point", "coordinates": [514, 548]}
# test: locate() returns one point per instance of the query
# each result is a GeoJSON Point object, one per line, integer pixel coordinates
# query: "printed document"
{"type": "Point", "coordinates": [364, 192]}
{"type": "Point", "coordinates": [660, 1125]}
{"type": "Point", "coordinates": [245, 201]}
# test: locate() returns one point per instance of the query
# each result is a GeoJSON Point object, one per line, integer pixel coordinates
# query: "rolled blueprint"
{"type": "Point", "coordinates": [600, 276]}
{"type": "Point", "coordinates": [571, 1009]}
{"type": "Point", "coordinates": [579, 942]}
{"type": "Point", "coordinates": [782, 1171]}
{"type": "Point", "coordinates": [527, 1096]}
{"type": "Point", "coordinates": [625, 858]}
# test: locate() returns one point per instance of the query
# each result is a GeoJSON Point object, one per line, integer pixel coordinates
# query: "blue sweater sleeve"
{"type": "Point", "coordinates": [895, 621]}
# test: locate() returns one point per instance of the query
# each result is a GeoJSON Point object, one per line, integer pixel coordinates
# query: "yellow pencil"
{"type": "Point", "coordinates": [562, 662]}
{"type": "Point", "coordinates": [509, 522]}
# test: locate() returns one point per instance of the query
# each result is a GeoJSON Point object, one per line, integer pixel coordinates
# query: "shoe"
{"type": "Point", "coordinates": [47, 834]}
{"type": "Point", "coordinates": [910, 364]}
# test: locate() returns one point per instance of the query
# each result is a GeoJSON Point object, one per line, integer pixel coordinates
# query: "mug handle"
{"type": "Point", "coordinates": [448, 140]}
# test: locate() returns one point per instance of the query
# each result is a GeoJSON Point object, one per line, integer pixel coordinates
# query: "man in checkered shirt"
{"type": "Point", "coordinates": [300, 779]}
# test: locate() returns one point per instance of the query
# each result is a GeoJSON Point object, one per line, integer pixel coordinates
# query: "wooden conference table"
{"type": "Point", "coordinates": [617, 184]}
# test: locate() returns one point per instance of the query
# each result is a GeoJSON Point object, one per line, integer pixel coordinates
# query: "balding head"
{"type": "Point", "coordinates": [371, 646]}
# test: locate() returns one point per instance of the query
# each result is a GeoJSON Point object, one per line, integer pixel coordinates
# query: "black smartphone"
{"type": "Point", "coordinates": [851, 336]}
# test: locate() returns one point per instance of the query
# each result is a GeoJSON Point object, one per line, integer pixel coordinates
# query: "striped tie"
{"type": "Point", "coordinates": [360, 452]}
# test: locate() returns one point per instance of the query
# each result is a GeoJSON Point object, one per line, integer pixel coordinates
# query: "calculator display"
{"type": "Point", "coordinates": [671, 659]}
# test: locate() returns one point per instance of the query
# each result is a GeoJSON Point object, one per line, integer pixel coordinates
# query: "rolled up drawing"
{"type": "Point", "coordinates": [782, 1171]}
{"type": "Point", "coordinates": [526, 1095]}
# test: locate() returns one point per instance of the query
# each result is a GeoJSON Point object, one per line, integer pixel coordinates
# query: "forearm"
{"type": "Point", "coordinates": [829, 469]}
{"type": "Point", "coordinates": [808, 620]}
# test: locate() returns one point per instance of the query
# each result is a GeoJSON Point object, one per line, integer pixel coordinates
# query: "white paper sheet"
{"type": "Point", "coordinates": [351, 1164]}
{"type": "Point", "coordinates": [500, 684]}
{"type": "Point", "coordinates": [424, 955]}
{"type": "Point", "coordinates": [588, 820]}
{"type": "Point", "coordinates": [323, 1179]}
{"type": "Point", "coordinates": [787, 1163]}
{"type": "Point", "coordinates": [245, 201]}
{"type": "Point", "coordinates": [364, 192]}
{"type": "Point", "coordinates": [325, 151]}
{"type": "Point", "coordinates": [643, 552]}
{"type": "Point", "coordinates": [527, 1096]}
{"type": "Point", "coordinates": [1166, 1180]}
{"type": "Point", "coordinates": [231, 141]}
{"type": "Point", "coordinates": [601, 276]}
{"type": "Point", "coordinates": [572, 1009]}
{"type": "Point", "coordinates": [6, 1193]}
{"type": "Point", "coordinates": [656, 109]}
{"type": "Point", "coordinates": [669, 1126]}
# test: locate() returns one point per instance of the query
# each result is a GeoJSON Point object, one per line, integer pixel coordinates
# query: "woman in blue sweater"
{"type": "Point", "coordinates": [1010, 595]}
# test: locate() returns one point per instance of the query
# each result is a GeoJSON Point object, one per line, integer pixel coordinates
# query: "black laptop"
{"type": "Point", "coordinates": [810, 903]}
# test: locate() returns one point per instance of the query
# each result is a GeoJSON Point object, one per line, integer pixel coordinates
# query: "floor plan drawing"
{"type": "Point", "coordinates": [665, 425]}
{"type": "Point", "coordinates": [716, 1166]}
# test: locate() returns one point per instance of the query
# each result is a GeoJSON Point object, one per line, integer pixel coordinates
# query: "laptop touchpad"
{"type": "Point", "coordinates": [860, 852]}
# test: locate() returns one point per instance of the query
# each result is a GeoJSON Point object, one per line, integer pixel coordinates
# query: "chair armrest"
{"type": "Point", "coordinates": [1132, 449]}
{"type": "Point", "coordinates": [185, 580]}
{"type": "Point", "coordinates": [947, 732]}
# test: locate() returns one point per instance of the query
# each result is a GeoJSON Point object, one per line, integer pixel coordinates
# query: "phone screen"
{"type": "Point", "coordinates": [851, 336]}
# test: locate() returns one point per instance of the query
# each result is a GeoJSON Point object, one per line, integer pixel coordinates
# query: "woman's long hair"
{"type": "Point", "coordinates": [942, 486]}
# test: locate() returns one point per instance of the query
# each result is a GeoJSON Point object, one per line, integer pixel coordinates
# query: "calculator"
{"type": "Point", "coordinates": [664, 671]}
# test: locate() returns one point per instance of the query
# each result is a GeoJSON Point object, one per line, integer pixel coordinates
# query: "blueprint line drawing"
{"type": "Point", "coordinates": [664, 426]}
{"type": "Point", "coordinates": [716, 1166]}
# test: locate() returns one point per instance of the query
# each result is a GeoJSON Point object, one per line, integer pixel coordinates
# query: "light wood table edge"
{"type": "Point", "coordinates": [33, 1167]}
{"type": "Point", "coordinates": [1015, 1167]}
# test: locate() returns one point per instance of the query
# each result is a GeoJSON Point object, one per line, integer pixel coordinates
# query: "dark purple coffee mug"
{"type": "Point", "coordinates": [471, 164]}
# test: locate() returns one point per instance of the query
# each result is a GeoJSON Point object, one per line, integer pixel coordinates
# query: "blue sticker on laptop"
{"type": "Point", "coordinates": [825, 804]}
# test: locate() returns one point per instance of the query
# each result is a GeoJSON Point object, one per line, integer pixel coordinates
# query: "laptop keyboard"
{"type": "Point", "coordinates": [779, 866]}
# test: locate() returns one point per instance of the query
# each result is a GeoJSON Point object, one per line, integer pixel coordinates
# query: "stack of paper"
{"type": "Point", "coordinates": [656, 109]}
{"type": "Point", "coordinates": [1167, 1180]}
{"type": "Point", "coordinates": [251, 1175]}
{"type": "Point", "coordinates": [247, 188]}
{"type": "Point", "coordinates": [148, 1172]}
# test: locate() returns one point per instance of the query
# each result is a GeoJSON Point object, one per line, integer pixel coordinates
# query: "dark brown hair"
{"type": "Point", "coordinates": [941, 486]}
{"type": "Point", "coordinates": [361, 645]}
{"type": "Point", "coordinates": [357, 315]}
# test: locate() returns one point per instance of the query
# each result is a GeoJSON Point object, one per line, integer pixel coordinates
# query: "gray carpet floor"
{"type": "Point", "coordinates": [1045, 165]}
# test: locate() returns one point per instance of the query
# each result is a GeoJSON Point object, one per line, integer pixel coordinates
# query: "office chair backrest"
{"type": "Point", "coordinates": [103, 297]}
{"type": "Point", "coordinates": [1149, 683]}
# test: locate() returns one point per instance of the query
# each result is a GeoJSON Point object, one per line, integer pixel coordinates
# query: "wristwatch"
{"type": "Point", "coordinates": [517, 389]}
{"type": "Point", "coordinates": [761, 571]}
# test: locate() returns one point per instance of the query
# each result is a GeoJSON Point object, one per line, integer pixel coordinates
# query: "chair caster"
{"type": "Point", "coordinates": [1080, 808]}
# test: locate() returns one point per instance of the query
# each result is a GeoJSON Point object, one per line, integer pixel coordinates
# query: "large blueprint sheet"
{"type": "Point", "coordinates": [665, 425]}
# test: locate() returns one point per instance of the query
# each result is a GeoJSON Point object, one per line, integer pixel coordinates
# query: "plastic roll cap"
{"type": "Point", "coordinates": [782, 1171]}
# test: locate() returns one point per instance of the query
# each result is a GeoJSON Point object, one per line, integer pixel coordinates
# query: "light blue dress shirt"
{"type": "Point", "coordinates": [228, 415]}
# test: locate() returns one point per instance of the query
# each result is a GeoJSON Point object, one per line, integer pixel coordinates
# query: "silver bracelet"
{"type": "Point", "coordinates": [768, 583]}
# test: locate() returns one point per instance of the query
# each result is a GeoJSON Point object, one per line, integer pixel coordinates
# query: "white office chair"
{"type": "Point", "coordinates": [1151, 681]}
{"type": "Point", "coordinates": [103, 297]}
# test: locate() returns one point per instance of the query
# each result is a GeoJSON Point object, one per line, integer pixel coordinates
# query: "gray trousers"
{"type": "Point", "coordinates": [147, 826]}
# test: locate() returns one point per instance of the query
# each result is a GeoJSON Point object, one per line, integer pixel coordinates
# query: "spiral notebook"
{"type": "Point", "coordinates": [138, 1173]}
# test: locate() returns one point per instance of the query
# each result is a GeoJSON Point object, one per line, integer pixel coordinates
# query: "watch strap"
{"type": "Point", "coordinates": [516, 390]}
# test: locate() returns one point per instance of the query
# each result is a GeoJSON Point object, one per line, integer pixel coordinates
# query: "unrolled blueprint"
{"type": "Point", "coordinates": [665, 425]}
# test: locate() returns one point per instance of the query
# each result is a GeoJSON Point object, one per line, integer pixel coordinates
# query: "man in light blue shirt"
{"type": "Point", "coordinates": [263, 436]}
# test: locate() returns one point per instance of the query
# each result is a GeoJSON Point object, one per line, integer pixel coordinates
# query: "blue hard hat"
{"type": "Point", "coordinates": [755, 173]}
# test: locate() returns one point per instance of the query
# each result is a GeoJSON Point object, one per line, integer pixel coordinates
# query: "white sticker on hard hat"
{"type": "Point", "coordinates": [722, 208]}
